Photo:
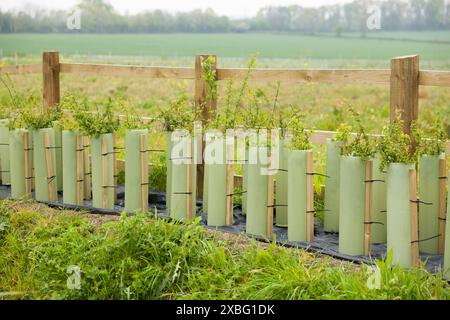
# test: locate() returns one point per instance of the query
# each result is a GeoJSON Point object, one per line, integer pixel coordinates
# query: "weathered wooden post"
{"type": "Point", "coordinates": [405, 91]}
{"type": "Point", "coordinates": [405, 101]}
{"type": "Point", "coordinates": [206, 102]}
{"type": "Point", "coordinates": [50, 73]}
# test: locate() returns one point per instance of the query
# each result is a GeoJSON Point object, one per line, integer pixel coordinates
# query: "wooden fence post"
{"type": "Point", "coordinates": [50, 73]}
{"type": "Point", "coordinates": [206, 102]}
{"type": "Point", "coordinates": [405, 91]}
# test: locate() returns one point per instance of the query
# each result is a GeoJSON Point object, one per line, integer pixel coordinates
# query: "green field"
{"type": "Point", "coordinates": [267, 45]}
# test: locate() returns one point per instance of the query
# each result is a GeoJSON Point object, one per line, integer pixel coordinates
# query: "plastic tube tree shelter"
{"type": "Point", "coordinates": [45, 164]}
{"type": "Point", "coordinates": [331, 216]}
{"type": "Point", "coordinates": [197, 158]}
{"type": "Point", "coordinates": [73, 170]}
{"type": "Point", "coordinates": [429, 203]}
{"type": "Point", "coordinates": [4, 152]}
{"type": "Point", "coordinates": [87, 169]}
{"type": "Point", "coordinates": [242, 159]}
{"type": "Point", "coordinates": [58, 155]}
{"type": "Point", "coordinates": [181, 202]}
{"type": "Point", "coordinates": [19, 147]}
{"type": "Point", "coordinates": [245, 179]}
{"type": "Point", "coordinates": [378, 203]}
{"type": "Point", "coordinates": [136, 170]}
{"type": "Point", "coordinates": [300, 196]}
{"type": "Point", "coordinates": [103, 187]}
{"type": "Point", "coordinates": [169, 169]}
{"type": "Point", "coordinates": [205, 188]}
{"type": "Point", "coordinates": [218, 166]}
{"type": "Point", "coordinates": [355, 205]}
{"type": "Point", "coordinates": [446, 248]}
{"type": "Point", "coordinates": [402, 219]}
{"type": "Point", "coordinates": [282, 185]}
{"type": "Point", "coordinates": [261, 169]}
{"type": "Point", "coordinates": [443, 177]}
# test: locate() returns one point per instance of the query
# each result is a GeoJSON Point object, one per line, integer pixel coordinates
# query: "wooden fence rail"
{"type": "Point", "coordinates": [342, 76]}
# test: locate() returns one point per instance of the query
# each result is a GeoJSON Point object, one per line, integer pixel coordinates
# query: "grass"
{"type": "Point", "coordinates": [268, 45]}
{"type": "Point", "coordinates": [142, 257]}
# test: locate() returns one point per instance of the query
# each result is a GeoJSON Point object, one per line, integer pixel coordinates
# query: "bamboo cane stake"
{"type": "Point", "coordinates": [105, 180]}
{"type": "Point", "coordinates": [32, 177]}
{"type": "Point", "coordinates": [442, 203]}
{"type": "Point", "coordinates": [144, 174]}
{"type": "Point", "coordinates": [27, 164]}
{"type": "Point", "coordinates": [115, 168]}
{"type": "Point", "coordinates": [309, 197]}
{"type": "Point", "coordinates": [80, 171]}
{"type": "Point", "coordinates": [368, 207]}
{"type": "Point", "coordinates": [414, 217]}
{"type": "Point", "coordinates": [51, 181]}
{"type": "Point", "coordinates": [87, 172]}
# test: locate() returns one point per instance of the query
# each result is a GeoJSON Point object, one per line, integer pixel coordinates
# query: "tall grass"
{"type": "Point", "coordinates": [144, 257]}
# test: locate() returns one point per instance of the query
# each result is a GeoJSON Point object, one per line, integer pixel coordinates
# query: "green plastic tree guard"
{"type": "Point", "coordinates": [168, 169]}
{"type": "Point", "coordinates": [18, 175]}
{"type": "Point", "coordinates": [429, 208]}
{"type": "Point", "coordinates": [205, 188]}
{"type": "Point", "coordinates": [4, 151]}
{"type": "Point", "coordinates": [178, 198]}
{"type": "Point", "coordinates": [378, 209]}
{"type": "Point", "coordinates": [351, 205]}
{"type": "Point", "coordinates": [245, 181]}
{"type": "Point", "coordinates": [256, 199]}
{"type": "Point", "coordinates": [69, 154]}
{"type": "Point", "coordinates": [331, 216]}
{"type": "Point", "coordinates": [133, 197]}
{"type": "Point", "coordinates": [97, 171]}
{"type": "Point", "coordinates": [40, 163]}
{"type": "Point", "coordinates": [297, 197]}
{"type": "Point", "coordinates": [398, 213]}
{"type": "Point", "coordinates": [447, 236]}
{"type": "Point", "coordinates": [195, 161]}
{"type": "Point", "coordinates": [217, 187]}
{"type": "Point", "coordinates": [59, 157]}
{"type": "Point", "coordinates": [281, 191]}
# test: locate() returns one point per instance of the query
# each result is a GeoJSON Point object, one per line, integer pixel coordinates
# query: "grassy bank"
{"type": "Point", "coordinates": [143, 257]}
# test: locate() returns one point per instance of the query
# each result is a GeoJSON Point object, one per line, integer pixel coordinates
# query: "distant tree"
{"type": "Point", "coordinates": [100, 16]}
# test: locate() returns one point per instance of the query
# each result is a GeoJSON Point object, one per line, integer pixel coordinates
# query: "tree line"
{"type": "Point", "coordinates": [98, 16]}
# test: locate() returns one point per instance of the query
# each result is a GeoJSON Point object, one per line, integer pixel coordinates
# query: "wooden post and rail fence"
{"type": "Point", "coordinates": [404, 78]}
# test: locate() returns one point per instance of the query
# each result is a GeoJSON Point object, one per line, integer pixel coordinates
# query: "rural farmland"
{"type": "Point", "coordinates": [351, 47]}
{"type": "Point", "coordinates": [269, 161]}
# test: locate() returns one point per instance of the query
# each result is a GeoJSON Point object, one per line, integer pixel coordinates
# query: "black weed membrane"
{"type": "Point", "coordinates": [324, 242]}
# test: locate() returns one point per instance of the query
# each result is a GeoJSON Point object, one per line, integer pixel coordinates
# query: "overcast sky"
{"type": "Point", "coordinates": [233, 8]}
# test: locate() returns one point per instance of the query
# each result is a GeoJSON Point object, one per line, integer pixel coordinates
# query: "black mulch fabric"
{"type": "Point", "coordinates": [324, 242]}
